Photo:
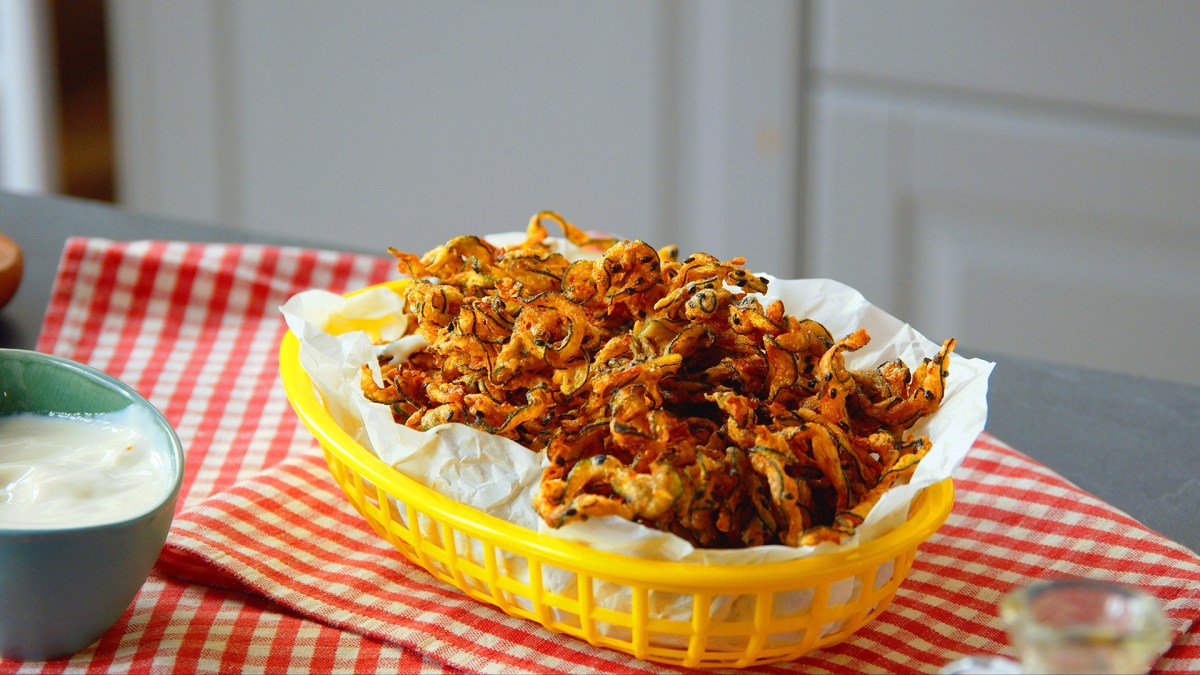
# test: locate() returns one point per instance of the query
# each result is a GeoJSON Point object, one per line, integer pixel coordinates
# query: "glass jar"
{"type": "Point", "coordinates": [1083, 626]}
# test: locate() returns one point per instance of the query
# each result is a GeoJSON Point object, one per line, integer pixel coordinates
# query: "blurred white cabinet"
{"type": "Point", "coordinates": [1026, 179]}
{"type": "Point", "coordinates": [28, 136]}
{"type": "Point", "coordinates": [397, 123]}
{"type": "Point", "coordinates": [1022, 175]}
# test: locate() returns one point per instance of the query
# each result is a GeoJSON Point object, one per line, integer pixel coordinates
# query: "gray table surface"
{"type": "Point", "coordinates": [1133, 442]}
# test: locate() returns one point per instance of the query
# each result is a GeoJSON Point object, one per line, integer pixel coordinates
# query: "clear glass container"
{"type": "Point", "coordinates": [1084, 626]}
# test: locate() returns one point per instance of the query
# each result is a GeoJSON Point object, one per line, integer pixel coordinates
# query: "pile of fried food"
{"type": "Point", "coordinates": [661, 390]}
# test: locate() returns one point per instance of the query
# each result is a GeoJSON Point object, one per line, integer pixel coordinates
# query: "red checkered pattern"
{"type": "Point", "coordinates": [268, 569]}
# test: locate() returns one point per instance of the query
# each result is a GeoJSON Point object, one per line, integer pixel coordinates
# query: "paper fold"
{"type": "Point", "coordinates": [500, 477]}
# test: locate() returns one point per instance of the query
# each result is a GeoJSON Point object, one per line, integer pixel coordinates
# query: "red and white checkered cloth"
{"type": "Point", "coordinates": [268, 568]}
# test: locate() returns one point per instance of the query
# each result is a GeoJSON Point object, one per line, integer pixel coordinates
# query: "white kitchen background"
{"type": "Point", "coordinates": [1022, 175]}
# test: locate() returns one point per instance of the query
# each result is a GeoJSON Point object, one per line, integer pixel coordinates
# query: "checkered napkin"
{"type": "Point", "coordinates": [268, 568]}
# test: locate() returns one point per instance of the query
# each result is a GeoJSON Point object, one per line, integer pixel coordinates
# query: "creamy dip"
{"type": "Point", "coordinates": [61, 471]}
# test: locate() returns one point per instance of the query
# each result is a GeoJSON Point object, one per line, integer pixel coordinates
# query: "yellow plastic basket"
{"type": "Point", "coordinates": [781, 610]}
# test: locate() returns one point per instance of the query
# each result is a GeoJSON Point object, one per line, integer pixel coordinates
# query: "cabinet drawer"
{"type": "Point", "coordinates": [1121, 56]}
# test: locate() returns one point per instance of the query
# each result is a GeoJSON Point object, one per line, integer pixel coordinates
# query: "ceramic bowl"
{"type": "Point", "coordinates": [62, 588]}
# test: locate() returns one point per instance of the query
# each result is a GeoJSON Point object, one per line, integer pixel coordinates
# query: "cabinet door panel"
{"type": "Point", "coordinates": [1022, 236]}
{"type": "Point", "coordinates": [1106, 54]}
{"type": "Point", "coordinates": [375, 123]}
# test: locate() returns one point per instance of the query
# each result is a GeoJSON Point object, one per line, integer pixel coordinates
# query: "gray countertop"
{"type": "Point", "coordinates": [1133, 442]}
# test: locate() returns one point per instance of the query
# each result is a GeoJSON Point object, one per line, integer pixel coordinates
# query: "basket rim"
{"type": "Point", "coordinates": [931, 508]}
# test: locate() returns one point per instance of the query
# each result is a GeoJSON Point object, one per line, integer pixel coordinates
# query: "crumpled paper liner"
{"type": "Point", "coordinates": [499, 477]}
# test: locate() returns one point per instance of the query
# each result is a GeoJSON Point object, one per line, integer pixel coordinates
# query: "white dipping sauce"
{"type": "Point", "coordinates": [61, 471]}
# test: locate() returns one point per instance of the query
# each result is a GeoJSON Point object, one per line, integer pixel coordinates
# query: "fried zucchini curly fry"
{"type": "Point", "coordinates": [661, 390]}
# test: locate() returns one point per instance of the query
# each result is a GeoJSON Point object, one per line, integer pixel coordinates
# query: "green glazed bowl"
{"type": "Point", "coordinates": [61, 589]}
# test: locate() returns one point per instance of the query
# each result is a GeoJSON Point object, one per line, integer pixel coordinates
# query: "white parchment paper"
{"type": "Point", "coordinates": [338, 335]}
{"type": "Point", "coordinates": [500, 477]}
